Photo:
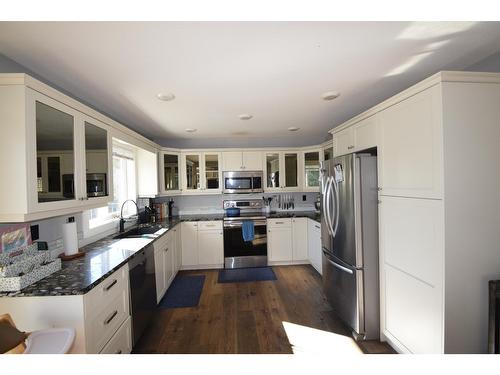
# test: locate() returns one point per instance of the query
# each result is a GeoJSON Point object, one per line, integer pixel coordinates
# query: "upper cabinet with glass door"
{"type": "Point", "coordinates": [97, 178]}
{"type": "Point", "coordinates": [55, 152]}
{"type": "Point", "coordinates": [212, 172]}
{"type": "Point", "coordinates": [201, 172]}
{"type": "Point", "coordinates": [47, 140]}
{"type": "Point", "coordinates": [281, 171]}
{"type": "Point", "coordinates": [170, 173]}
{"type": "Point", "coordinates": [311, 170]}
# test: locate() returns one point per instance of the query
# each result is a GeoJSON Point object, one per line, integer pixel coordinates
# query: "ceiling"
{"type": "Point", "coordinates": [275, 71]}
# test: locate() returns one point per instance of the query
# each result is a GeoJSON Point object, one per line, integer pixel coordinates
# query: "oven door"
{"type": "Point", "coordinates": [237, 184]}
{"type": "Point", "coordinates": [237, 252]}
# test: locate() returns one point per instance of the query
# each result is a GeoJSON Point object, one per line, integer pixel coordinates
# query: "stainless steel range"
{"type": "Point", "coordinates": [239, 253]}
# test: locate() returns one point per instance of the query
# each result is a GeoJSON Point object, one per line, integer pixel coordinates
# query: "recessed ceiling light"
{"type": "Point", "coordinates": [293, 128]}
{"type": "Point", "coordinates": [330, 95]}
{"type": "Point", "coordinates": [245, 116]}
{"type": "Point", "coordinates": [166, 97]}
{"type": "Point", "coordinates": [191, 130]}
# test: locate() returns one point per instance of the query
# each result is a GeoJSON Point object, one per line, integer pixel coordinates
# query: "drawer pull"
{"type": "Point", "coordinates": [166, 249]}
{"type": "Point", "coordinates": [317, 226]}
{"type": "Point", "coordinates": [119, 352]}
{"type": "Point", "coordinates": [350, 147]}
{"type": "Point", "coordinates": [110, 318]}
{"type": "Point", "coordinates": [279, 222]}
{"type": "Point", "coordinates": [110, 285]}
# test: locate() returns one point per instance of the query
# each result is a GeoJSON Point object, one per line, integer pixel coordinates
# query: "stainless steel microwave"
{"type": "Point", "coordinates": [96, 185]}
{"type": "Point", "coordinates": [242, 182]}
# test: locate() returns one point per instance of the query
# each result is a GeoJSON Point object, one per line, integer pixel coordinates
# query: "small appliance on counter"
{"type": "Point", "coordinates": [245, 234]}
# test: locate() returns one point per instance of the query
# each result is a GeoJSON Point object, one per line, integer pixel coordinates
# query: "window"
{"type": "Point", "coordinates": [124, 187]}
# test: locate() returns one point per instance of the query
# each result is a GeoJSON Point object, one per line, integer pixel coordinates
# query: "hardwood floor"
{"type": "Point", "coordinates": [248, 317]}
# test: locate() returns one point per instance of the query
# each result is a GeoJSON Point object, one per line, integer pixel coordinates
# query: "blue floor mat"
{"type": "Point", "coordinates": [239, 275]}
{"type": "Point", "coordinates": [185, 291]}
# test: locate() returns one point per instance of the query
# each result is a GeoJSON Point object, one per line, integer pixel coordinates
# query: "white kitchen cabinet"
{"type": "Point", "coordinates": [48, 140]}
{"type": "Point", "coordinates": [201, 173]}
{"type": "Point", "coordinates": [164, 252]}
{"type": "Point", "coordinates": [189, 234]}
{"type": "Point", "coordinates": [358, 137]}
{"type": "Point", "coordinates": [411, 147]}
{"type": "Point", "coordinates": [344, 141]}
{"type": "Point", "coordinates": [413, 312]}
{"type": "Point", "coordinates": [365, 133]}
{"type": "Point", "coordinates": [178, 247]}
{"type": "Point", "coordinates": [97, 316]}
{"type": "Point", "coordinates": [282, 171]}
{"type": "Point", "coordinates": [414, 245]}
{"type": "Point", "coordinates": [299, 240]}
{"type": "Point", "coordinates": [121, 342]}
{"type": "Point", "coordinates": [147, 173]}
{"type": "Point", "coordinates": [314, 244]}
{"type": "Point", "coordinates": [210, 247]}
{"type": "Point", "coordinates": [241, 161]}
{"type": "Point", "coordinates": [309, 170]}
{"type": "Point", "coordinates": [169, 172]}
{"type": "Point", "coordinates": [279, 240]}
{"type": "Point", "coordinates": [202, 245]}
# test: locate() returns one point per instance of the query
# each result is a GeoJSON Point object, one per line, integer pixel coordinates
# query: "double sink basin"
{"type": "Point", "coordinates": [150, 230]}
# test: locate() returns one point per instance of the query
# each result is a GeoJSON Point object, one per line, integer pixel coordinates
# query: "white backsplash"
{"type": "Point", "coordinates": [212, 204]}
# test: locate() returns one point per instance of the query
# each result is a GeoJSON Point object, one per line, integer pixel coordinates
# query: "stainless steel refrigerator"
{"type": "Point", "coordinates": [349, 236]}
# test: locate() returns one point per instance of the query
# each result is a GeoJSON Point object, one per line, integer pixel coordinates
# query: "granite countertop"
{"type": "Point", "coordinates": [108, 254]}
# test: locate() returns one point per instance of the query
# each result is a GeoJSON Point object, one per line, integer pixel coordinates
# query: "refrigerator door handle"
{"type": "Point", "coordinates": [337, 206]}
{"type": "Point", "coordinates": [336, 265]}
{"type": "Point", "coordinates": [326, 210]}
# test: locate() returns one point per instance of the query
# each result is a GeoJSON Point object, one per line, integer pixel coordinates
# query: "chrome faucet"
{"type": "Point", "coordinates": [122, 220]}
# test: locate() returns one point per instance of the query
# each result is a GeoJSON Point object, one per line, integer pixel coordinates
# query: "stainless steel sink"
{"type": "Point", "coordinates": [139, 231]}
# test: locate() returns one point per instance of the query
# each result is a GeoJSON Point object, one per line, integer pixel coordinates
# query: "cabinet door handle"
{"type": "Point", "coordinates": [166, 249]}
{"type": "Point", "coordinates": [111, 317]}
{"type": "Point", "coordinates": [118, 352]}
{"type": "Point", "coordinates": [350, 147]}
{"type": "Point", "coordinates": [110, 285]}
{"type": "Point", "coordinates": [317, 226]}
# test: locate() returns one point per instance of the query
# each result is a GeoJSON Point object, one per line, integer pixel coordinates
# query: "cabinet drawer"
{"type": "Point", "coordinates": [121, 342]}
{"type": "Point", "coordinates": [114, 285]}
{"type": "Point", "coordinates": [210, 225]}
{"type": "Point", "coordinates": [100, 327]}
{"type": "Point", "coordinates": [279, 223]}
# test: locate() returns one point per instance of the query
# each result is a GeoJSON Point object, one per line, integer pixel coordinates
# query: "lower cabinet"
{"type": "Point", "coordinates": [299, 240]}
{"type": "Point", "coordinates": [210, 243]}
{"type": "Point", "coordinates": [101, 317]}
{"type": "Point", "coordinates": [279, 240]}
{"type": "Point", "coordinates": [294, 241]}
{"type": "Point", "coordinates": [413, 313]}
{"type": "Point", "coordinates": [121, 342]}
{"type": "Point", "coordinates": [314, 244]}
{"type": "Point", "coordinates": [202, 245]}
{"type": "Point", "coordinates": [164, 250]}
{"type": "Point", "coordinates": [189, 234]}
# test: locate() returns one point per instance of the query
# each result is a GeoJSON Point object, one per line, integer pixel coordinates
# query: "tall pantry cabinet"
{"type": "Point", "coordinates": [438, 146]}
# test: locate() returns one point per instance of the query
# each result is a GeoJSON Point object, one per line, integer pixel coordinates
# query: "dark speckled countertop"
{"type": "Point", "coordinates": [106, 255]}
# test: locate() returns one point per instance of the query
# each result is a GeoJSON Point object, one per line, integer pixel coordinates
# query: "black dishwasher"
{"type": "Point", "coordinates": [142, 290]}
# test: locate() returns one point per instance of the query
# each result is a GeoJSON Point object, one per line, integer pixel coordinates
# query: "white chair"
{"type": "Point", "coordinates": [45, 341]}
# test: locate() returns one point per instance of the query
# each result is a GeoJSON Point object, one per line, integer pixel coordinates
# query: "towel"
{"type": "Point", "coordinates": [248, 230]}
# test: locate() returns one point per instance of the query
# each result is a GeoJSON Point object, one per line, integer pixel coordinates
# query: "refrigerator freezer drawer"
{"type": "Point", "coordinates": [343, 287]}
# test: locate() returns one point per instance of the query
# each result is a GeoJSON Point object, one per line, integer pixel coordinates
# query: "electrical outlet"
{"type": "Point", "coordinates": [35, 235]}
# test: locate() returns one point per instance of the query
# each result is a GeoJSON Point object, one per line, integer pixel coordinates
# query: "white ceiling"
{"type": "Point", "coordinates": [275, 71]}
